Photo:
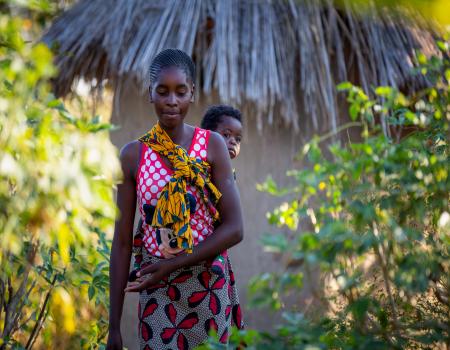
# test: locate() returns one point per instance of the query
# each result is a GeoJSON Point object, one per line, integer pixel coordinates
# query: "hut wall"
{"type": "Point", "coordinates": [262, 153]}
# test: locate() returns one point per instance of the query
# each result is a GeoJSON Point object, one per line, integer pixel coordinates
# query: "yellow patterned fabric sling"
{"type": "Point", "coordinates": [173, 208]}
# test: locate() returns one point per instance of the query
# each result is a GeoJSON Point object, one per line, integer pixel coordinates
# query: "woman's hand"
{"type": "Point", "coordinates": [151, 275]}
{"type": "Point", "coordinates": [114, 341]}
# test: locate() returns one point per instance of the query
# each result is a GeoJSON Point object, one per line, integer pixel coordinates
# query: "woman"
{"type": "Point", "coordinates": [181, 299]}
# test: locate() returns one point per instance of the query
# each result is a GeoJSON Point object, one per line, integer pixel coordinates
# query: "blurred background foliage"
{"type": "Point", "coordinates": [57, 171]}
{"type": "Point", "coordinates": [372, 218]}
{"type": "Point", "coordinates": [436, 12]}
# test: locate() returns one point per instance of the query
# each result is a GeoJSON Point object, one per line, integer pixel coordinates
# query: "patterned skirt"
{"type": "Point", "coordinates": [186, 306]}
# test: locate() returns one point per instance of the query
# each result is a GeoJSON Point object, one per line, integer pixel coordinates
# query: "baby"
{"type": "Point", "coordinates": [227, 121]}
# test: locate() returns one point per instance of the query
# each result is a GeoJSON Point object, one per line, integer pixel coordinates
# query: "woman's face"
{"type": "Point", "coordinates": [171, 95]}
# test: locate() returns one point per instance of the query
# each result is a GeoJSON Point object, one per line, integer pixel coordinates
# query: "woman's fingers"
{"type": "Point", "coordinates": [131, 286]}
{"type": "Point", "coordinates": [139, 286]}
{"type": "Point", "coordinates": [142, 283]}
{"type": "Point", "coordinates": [150, 275]}
{"type": "Point", "coordinates": [146, 270]}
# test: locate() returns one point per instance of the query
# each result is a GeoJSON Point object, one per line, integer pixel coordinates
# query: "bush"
{"type": "Point", "coordinates": [373, 216]}
{"type": "Point", "coordinates": [56, 202]}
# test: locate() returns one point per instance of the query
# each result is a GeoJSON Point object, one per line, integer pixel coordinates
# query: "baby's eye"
{"type": "Point", "coordinates": [238, 139]}
{"type": "Point", "coordinates": [162, 92]}
{"type": "Point", "coordinates": [227, 135]}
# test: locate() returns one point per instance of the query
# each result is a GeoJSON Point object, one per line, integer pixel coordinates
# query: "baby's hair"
{"type": "Point", "coordinates": [172, 58]}
{"type": "Point", "coordinates": [214, 114]}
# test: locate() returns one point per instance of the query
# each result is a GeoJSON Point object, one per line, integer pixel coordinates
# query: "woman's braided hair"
{"type": "Point", "coordinates": [172, 58]}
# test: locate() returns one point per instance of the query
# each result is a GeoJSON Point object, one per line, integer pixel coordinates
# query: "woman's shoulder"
{"type": "Point", "coordinates": [216, 140]}
{"type": "Point", "coordinates": [129, 156]}
{"type": "Point", "coordinates": [130, 150]}
{"type": "Point", "coordinates": [216, 146]}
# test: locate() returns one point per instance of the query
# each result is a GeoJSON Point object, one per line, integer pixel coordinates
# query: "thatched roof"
{"type": "Point", "coordinates": [280, 56]}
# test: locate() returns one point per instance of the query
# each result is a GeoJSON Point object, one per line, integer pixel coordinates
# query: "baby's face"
{"type": "Point", "coordinates": [231, 130]}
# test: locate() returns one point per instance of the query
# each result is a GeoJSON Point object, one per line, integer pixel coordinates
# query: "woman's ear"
{"type": "Point", "coordinates": [192, 93]}
{"type": "Point", "coordinates": [150, 93]}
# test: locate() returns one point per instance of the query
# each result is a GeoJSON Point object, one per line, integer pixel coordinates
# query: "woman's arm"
{"type": "Point", "coordinates": [123, 235]}
{"type": "Point", "coordinates": [226, 235]}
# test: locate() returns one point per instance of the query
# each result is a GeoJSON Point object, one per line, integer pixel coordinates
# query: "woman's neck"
{"type": "Point", "coordinates": [176, 134]}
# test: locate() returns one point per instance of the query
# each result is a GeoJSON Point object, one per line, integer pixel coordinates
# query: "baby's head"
{"type": "Point", "coordinates": [227, 121]}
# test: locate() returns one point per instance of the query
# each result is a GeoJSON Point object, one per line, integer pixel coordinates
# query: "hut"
{"type": "Point", "coordinates": [279, 61]}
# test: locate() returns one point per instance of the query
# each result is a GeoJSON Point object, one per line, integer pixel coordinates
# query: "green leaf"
{"type": "Point", "coordinates": [447, 75]}
{"type": "Point", "coordinates": [344, 86]}
{"type": "Point", "coordinates": [443, 46]}
{"type": "Point", "coordinates": [359, 308]}
{"type": "Point", "coordinates": [91, 292]}
{"type": "Point", "coordinates": [384, 91]}
{"type": "Point", "coordinates": [354, 111]}
{"type": "Point", "coordinates": [275, 243]}
{"type": "Point", "coordinates": [270, 186]}
{"type": "Point", "coordinates": [422, 58]}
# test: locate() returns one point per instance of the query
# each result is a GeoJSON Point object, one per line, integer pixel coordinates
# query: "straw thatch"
{"type": "Point", "coordinates": [275, 55]}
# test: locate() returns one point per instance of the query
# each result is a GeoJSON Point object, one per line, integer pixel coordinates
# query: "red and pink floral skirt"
{"type": "Point", "coordinates": [182, 310]}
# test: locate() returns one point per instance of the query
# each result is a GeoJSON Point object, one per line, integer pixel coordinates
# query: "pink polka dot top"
{"type": "Point", "coordinates": [152, 176]}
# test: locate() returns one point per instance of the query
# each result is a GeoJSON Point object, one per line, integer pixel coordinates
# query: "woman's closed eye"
{"type": "Point", "coordinates": [181, 93]}
{"type": "Point", "coordinates": [162, 91]}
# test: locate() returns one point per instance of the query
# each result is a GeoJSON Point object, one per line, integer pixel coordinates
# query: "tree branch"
{"type": "Point", "coordinates": [386, 279]}
{"type": "Point", "coordinates": [7, 309]}
{"type": "Point", "coordinates": [13, 311]}
{"type": "Point", "coordinates": [22, 304]}
{"type": "Point", "coordinates": [2, 297]}
{"type": "Point", "coordinates": [41, 318]}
